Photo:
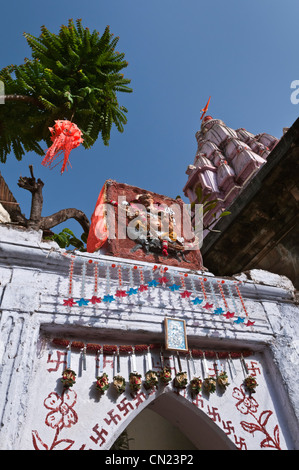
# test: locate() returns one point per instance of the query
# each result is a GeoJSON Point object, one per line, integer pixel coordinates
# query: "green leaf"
{"type": "Point", "coordinates": [223, 214]}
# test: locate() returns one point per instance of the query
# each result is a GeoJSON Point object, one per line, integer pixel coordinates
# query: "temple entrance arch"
{"type": "Point", "coordinates": [171, 422]}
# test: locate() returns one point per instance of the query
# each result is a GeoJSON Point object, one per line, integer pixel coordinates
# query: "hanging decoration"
{"type": "Point", "coordinates": [65, 137]}
{"type": "Point", "coordinates": [68, 378]}
{"type": "Point", "coordinates": [165, 374]}
{"type": "Point", "coordinates": [195, 385]}
{"type": "Point", "coordinates": [250, 382]}
{"type": "Point", "coordinates": [181, 379]}
{"type": "Point", "coordinates": [83, 357]}
{"type": "Point", "coordinates": [135, 379]}
{"type": "Point", "coordinates": [120, 291]}
{"type": "Point", "coordinates": [102, 383]}
{"type": "Point", "coordinates": [195, 382]}
{"type": "Point", "coordinates": [68, 375]}
{"type": "Point", "coordinates": [119, 382]}
{"type": "Point", "coordinates": [143, 287]}
{"type": "Point", "coordinates": [151, 377]}
{"type": "Point", "coordinates": [151, 380]}
{"type": "Point", "coordinates": [222, 380]}
{"type": "Point", "coordinates": [95, 299]}
{"type": "Point", "coordinates": [249, 323]}
{"type": "Point", "coordinates": [212, 302]}
{"type": "Point", "coordinates": [209, 383]}
{"type": "Point", "coordinates": [70, 301]}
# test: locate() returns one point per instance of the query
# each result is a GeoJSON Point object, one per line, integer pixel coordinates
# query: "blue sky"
{"type": "Point", "coordinates": [244, 54]}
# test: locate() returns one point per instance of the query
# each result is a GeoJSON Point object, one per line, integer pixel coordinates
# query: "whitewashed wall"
{"type": "Point", "coordinates": [34, 281]}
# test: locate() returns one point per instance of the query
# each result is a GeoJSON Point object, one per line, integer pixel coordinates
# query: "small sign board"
{"type": "Point", "coordinates": [175, 334]}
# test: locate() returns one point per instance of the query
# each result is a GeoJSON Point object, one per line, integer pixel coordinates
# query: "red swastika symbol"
{"type": "Point", "coordinates": [253, 369]}
{"type": "Point", "coordinates": [214, 414]}
{"type": "Point", "coordinates": [113, 418]}
{"type": "Point", "coordinates": [124, 405]}
{"type": "Point", "coordinates": [241, 444]}
{"type": "Point", "coordinates": [99, 434]}
{"type": "Point", "coordinates": [139, 398]}
{"type": "Point", "coordinates": [198, 401]}
{"type": "Point", "coordinates": [228, 428]}
{"type": "Point", "coordinates": [60, 360]}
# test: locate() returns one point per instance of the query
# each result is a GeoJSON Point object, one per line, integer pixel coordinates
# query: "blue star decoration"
{"type": "Point", "coordinates": [132, 291]}
{"type": "Point", "coordinates": [218, 311]}
{"type": "Point", "coordinates": [174, 287]}
{"type": "Point", "coordinates": [239, 320]}
{"type": "Point", "coordinates": [108, 298]}
{"type": "Point", "coordinates": [82, 302]}
{"type": "Point", "coordinates": [153, 283]}
{"type": "Point", "coordinates": [196, 301]}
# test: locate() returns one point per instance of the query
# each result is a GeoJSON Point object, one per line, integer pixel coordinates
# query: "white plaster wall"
{"type": "Point", "coordinates": [34, 282]}
{"type": "Point", "coordinates": [93, 422]}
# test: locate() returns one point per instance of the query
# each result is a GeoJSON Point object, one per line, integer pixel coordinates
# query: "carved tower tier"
{"type": "Point", "coordinates": [225, 161]}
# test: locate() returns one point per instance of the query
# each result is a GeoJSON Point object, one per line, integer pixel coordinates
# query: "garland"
{"type": "Point", "coordinates": [142, 348]}
{"type": "Point", "coordinates": [162, 281]}
{"type": "Point", "coordinates": [151, 379]}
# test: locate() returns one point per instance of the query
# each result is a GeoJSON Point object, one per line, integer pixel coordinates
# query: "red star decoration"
{"type": "Point", "coordinates": [229, 315]}
{"type": "Point", "coordinates": [185, 294]}
{"type": "Point", "coordinates": [121, 293]}
{"type": "Point", "coordinates": [208, 305]}
{"type": "Point", "coordinates": [95, 300]}
{"type": "Point", "coordinates": [250, 323]}
{"type": "Point", "coordinates": [163, 279]}
{"type": "Point", "coordinates": [142, 288]}
{"type": "Point", "coordinates": [70, 302]}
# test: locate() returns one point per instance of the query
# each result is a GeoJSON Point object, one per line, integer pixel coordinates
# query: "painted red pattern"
{"type": "Point", "coordinates": [247, 405]}
{"type": "Point", "coordinates": [62, 415]}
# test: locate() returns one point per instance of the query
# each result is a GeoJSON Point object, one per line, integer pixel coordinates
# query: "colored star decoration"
{"type": "Point", "coordinates": [207, 306]}
{"type": "Point", "coordinates": [162, 281]}
{"type": "Point", "coordinates": [218, 311]}
{"type": "Point", "coordinates": [95, 300]}
{"type": "Point", "coordinates": [142, 287]}
{"type": "Point", "coordinates": [69, 302]}
{"type": "Point", "coordinates": [174, 287]}
{"type": "Point", "coordinates": [132, 291]}
{"type": "Point", "coordinates": [186, 294]}
{"type": "Point", "coordinates": [197, 301]}
{"type": "Point", "coordinates": [239, 320]}
{"type": "Point", "coordinates": [229, 315]}
{"type": "Point", "coordinates": [108, 298]}
{"type": "Point", "coordinates": [121, 293]}
{"type": "Point", "coordinates": [82, 302]}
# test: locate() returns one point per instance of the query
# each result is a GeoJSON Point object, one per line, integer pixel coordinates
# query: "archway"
{"type": "Point", "coordinates": [170, 422]}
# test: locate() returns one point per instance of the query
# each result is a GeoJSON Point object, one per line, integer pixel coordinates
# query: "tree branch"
{"type": "Point", "coordinates": [36, 189]}
{"type": "Point", "coordinates": [23, 98]}
{"type": "Point", "coordinates": [61, 216]}
{"type": "Point", "coordinates": [36, 221]}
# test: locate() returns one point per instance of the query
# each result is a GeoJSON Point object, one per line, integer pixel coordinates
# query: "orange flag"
{"type": "Point", "coordinates": [205, 109]}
